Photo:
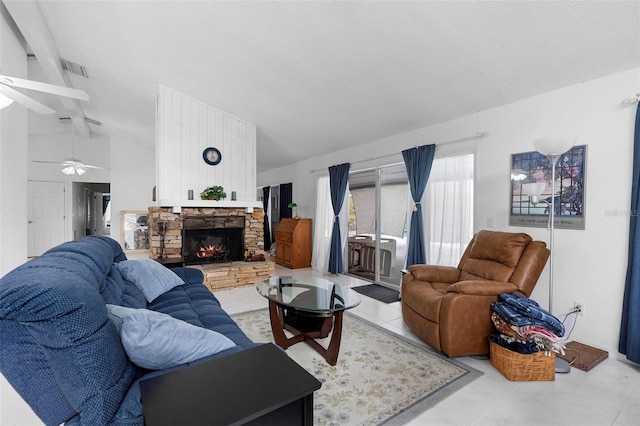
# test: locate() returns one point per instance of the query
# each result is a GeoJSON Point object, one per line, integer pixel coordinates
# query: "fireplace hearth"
{"type": "Point", "coordinates": [212, 239]}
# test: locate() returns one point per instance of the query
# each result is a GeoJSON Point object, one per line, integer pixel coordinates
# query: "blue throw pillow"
{"type": "Point", "coordinates": [149, 276]}
{"type": "Point", "coordinates": [156, 341]}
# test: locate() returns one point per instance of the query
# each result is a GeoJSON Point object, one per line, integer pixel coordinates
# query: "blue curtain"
{"type": "Point", "coordinates": [286, 197]}
{"type": "Point", "coordinates": [338, 178]}
{"type": "Point", "coordinates": [630, 326]}
{"type": "Point", "coordinates": [265, 205]}
{"type": "Point", "coordinates": [418, 163]}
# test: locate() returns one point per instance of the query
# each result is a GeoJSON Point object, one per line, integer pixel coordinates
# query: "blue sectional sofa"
{"type": "Point", "coordinates": [61, 351]}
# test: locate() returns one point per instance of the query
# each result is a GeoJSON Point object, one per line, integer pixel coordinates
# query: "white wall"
{"type": "Point", "coordinates": [57, 147]}
{"type": "Point", "coordinates": [13, 155]}
{"type": "Point", "coordinates": [130, 171]}
{"type": "Point", "coordinates": [13, 196]}
{"type": "Point", "coordinates": [185, 127]}
{"type": "Point", "coordinates": [590, 264]}
{"type": "Point", "coordinates": [132, 179]}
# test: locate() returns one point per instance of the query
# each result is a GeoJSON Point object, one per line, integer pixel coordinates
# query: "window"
{"type": "Point", "coordinates": [447, 208]}
{"type": "Point", "coordinates": [448, 216]}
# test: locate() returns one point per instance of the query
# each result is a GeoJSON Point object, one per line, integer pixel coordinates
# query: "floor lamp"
{"type": "Point", "coordinates": [552, 148]}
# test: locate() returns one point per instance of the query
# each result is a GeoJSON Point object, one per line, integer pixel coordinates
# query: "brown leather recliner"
{"type": "Point", "coordinates": [450, 308]}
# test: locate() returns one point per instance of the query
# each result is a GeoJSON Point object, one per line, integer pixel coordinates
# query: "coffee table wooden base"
{"type": "Point", "coordinates": [278, 325]}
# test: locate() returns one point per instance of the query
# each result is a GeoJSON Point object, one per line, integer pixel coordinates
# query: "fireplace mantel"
{"type": "Point", "coordinates": [210, 203]}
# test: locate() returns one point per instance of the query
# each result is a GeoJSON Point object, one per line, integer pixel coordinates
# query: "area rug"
{"type": "Point", "coordinates": [378, 292]}
{"type": "Point", "coordinates": [380, 377]}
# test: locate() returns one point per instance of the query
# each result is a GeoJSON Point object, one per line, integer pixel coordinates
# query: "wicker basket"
{"type": "Point", "coordinates": [523, 367]}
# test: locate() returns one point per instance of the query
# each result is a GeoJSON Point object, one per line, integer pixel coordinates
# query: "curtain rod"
{"type": "Point", "coordinates": [478, 135]}
{"type": "Point", "coordinates": [631, 101]}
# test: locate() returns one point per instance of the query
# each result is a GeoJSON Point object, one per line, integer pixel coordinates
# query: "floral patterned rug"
{"type": "Point", "coordinates": [380, 377]}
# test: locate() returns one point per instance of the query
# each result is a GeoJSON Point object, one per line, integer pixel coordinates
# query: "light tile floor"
{"type": "Point", "coordinates": [607, 395]}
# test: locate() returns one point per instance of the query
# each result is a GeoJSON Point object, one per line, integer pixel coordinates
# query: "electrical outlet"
{"type": "Point", "coordinates": [579, 307]}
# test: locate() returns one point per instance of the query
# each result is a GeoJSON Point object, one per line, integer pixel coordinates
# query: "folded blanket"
{"type": "Point", "coordinates": [522, 311]}
{"type": "Point", "coordinates": [544, 340]}
{"type": "Point", "coordinates": [514, 345]}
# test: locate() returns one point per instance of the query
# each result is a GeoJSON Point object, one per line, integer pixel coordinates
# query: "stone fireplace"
{"type": "Point", "coordinates": [213, 239]}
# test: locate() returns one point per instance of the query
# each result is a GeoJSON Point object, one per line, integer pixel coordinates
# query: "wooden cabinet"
{"type": "Point", "coordinates": [293, 243]}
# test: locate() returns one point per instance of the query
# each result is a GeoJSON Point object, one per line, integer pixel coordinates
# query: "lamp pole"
{"type": "Point", "coordinates": [554, 148]}
{"type": "Point", "coordinates": [553, 158]}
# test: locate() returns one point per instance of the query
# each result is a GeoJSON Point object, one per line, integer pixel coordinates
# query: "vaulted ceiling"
{"type": "Point", "coordinates": [318, 76]}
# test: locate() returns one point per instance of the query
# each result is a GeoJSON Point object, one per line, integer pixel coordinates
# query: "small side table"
{"type": "Point", "coordinates": [257, 386]}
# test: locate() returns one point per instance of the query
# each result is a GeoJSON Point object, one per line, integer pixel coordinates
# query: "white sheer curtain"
{"type": "Point", "coordinates": [323, 226]}
{"type": "Point", "coordinates": [448, 208]}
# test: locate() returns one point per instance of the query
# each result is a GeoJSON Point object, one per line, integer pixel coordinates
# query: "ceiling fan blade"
{"type": "Point", "coordinates": [48, 162]}
{"type": "Point", "coordinates": [25, 100]}
{"type": "Point", "coordinates": [71, 163]}
{"type": "Point", "coordinates": [77, 163]}
{"type": "Point", "coordinates": [44, 87]}
{"type": "Point", "coordinates": [88, 166]}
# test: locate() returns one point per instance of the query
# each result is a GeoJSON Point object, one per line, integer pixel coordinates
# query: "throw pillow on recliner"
{"type": "Point", "coordinates": [156, 341]}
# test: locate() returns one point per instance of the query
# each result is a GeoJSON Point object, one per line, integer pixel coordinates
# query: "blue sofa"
{"type": "Point", "coordinates": [59, 349]}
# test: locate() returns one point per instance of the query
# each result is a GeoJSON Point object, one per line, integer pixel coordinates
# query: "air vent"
{"type": "Point", "coordinates": [74, 68]}
{"type": "Point", "coordinates": [87, 119]}
{"type": "Point", "coordinates": [31, 57]}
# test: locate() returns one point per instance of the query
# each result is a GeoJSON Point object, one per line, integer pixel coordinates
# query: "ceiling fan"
{"type": "Point", "coordinates": [72, 166]}
{"type": "Point", "coordinates": [8, 94]}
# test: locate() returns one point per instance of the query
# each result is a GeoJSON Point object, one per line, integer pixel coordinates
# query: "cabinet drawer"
{"type": "Point", "coordinates": [282, 236]}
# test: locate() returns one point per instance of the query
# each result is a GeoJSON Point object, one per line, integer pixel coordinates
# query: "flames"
{"type": "Point", "coordinates": [210, 251]}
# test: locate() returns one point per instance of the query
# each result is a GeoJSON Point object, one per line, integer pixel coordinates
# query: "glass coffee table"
{"type": "Point", "coordinates": [308, 308]}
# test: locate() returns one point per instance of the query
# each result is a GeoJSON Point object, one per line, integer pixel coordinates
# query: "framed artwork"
{"type": "Point", "coordinates": [535, 168]}
{"type": "Point", "coordinates": [134, 231]}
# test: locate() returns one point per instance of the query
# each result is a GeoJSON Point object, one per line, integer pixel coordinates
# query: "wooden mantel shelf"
{"type": "Point", "coordinates": [209, 203]}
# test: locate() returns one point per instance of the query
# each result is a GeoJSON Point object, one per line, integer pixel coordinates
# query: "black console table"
{"type": "Point", "coordinates": [170, 262]}
{"type": "Point", "coordinates": [257, 386]}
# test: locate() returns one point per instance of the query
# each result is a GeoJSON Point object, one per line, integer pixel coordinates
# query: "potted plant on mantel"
{"type": "Point", "coordinates": [214, 192]}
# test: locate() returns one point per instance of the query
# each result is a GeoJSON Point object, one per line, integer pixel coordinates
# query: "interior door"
{"type": "Point", "coordinates": [45, 216]}
{"type": "Point", "coordinates": [100, 217]}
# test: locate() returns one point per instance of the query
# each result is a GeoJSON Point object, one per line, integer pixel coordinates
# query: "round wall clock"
{"type": "Point", "coordinates": [211, 156]}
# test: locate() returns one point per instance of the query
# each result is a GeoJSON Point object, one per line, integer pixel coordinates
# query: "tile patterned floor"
{"type": "Point", "coordinates": [607, 395]}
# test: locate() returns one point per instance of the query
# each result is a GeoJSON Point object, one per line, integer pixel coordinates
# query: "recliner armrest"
{"type": "Point", "coordinates": [435, 273]}
{"type": "Point", "coordinates": [482, 287]}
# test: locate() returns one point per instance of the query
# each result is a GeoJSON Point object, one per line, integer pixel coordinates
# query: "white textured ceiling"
{"type": "Point", "coordinates": [316, 77]}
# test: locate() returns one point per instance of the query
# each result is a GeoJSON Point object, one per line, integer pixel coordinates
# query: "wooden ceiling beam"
{"type": "Point", "coordinates": [29, 19]}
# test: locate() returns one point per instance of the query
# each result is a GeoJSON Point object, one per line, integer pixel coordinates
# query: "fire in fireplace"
{"type": "Point", "coordinates": [211, 251]}
{"type": "Point", "coordinates": [208, 239]}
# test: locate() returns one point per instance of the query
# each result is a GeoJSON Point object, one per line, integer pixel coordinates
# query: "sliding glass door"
{"type": "Point", "coordinates": [378, 201]}
{"type": "Point", "coordinates": [379, 216]}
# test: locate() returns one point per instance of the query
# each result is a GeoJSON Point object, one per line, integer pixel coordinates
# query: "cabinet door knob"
{"type": "Point", "coordinates": [29, 221]}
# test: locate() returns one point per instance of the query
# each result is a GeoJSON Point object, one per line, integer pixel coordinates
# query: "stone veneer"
{"type": "Point", "coordinates": [220, 276]}
{"type": "Point", "coordinates": [217, 275]}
